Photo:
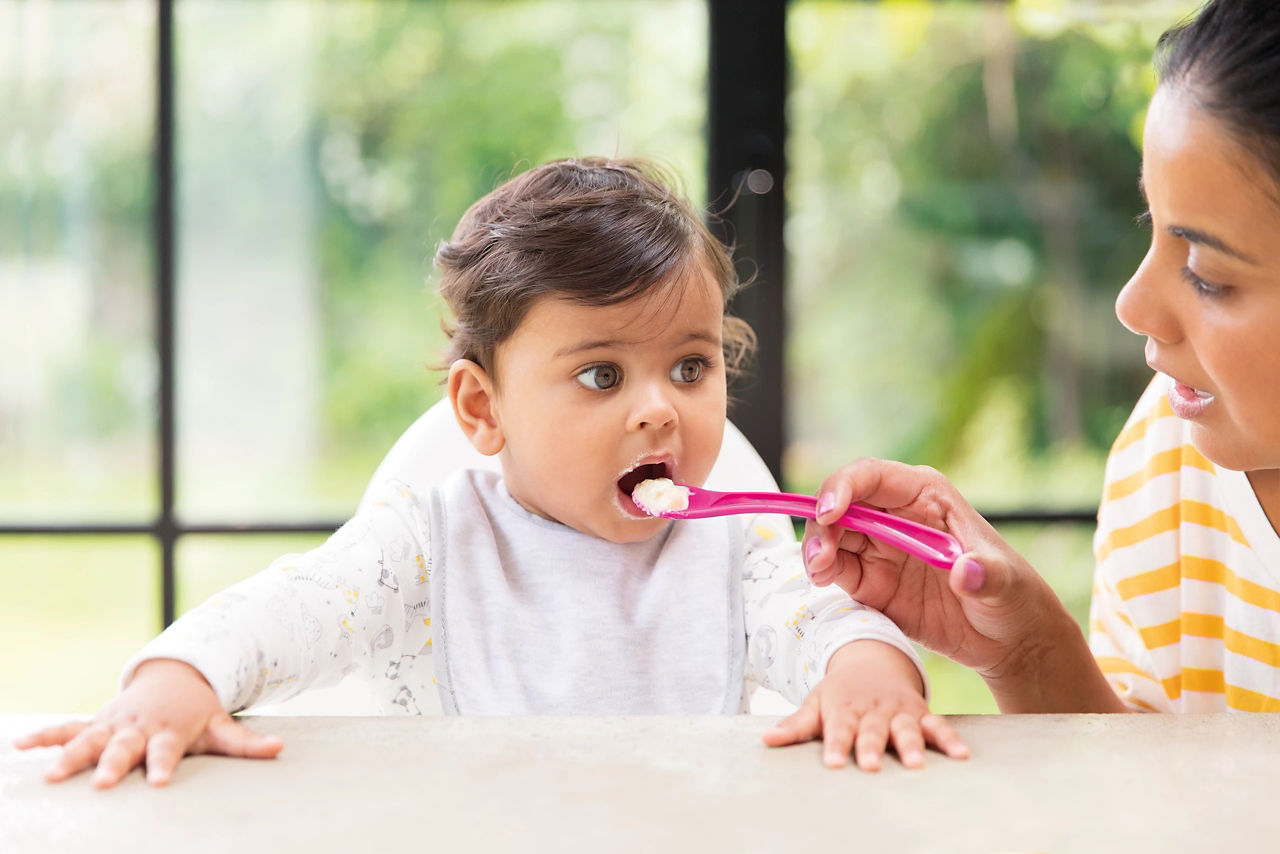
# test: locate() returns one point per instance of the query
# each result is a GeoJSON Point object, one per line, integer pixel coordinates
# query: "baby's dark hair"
{"type": "Point", "coordinates": [1228, 59]}
{"type": "Point", "coordinates": [593, 230]}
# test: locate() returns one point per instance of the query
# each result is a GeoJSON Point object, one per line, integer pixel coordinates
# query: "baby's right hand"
{"type": "Point", "coordinates": [165, 712]}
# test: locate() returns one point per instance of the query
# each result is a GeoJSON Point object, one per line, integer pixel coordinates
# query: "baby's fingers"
{"type": "Point", "coordinates": [122, 754]}
{"type": "Point", "coordinates": [51, 736]}
{"type": "Point", "coordinates": [871, 741]}
{"type": "Point", "coordinates": [803, 724]}
{"type": "Point", "coordinates": [908, 740]}
{"type": "Point", "coordinates": [838, 727]}
{"type": "Point", "coordinates": [164, 751]}
{"type": "Point", "coordinates": [224, 735]}
{"type": "Point", "coordinates": [81, 751]}
{"type": "Point", "coordinates": [942, 736]}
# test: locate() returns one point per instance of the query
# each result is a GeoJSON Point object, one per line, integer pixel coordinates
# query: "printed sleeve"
{"type": "Point", "coordinates": [793, 628]}
{"type": "Point", "coordinates": [359, 601]}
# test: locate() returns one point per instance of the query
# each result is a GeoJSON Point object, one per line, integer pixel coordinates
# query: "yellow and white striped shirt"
{"type": "Point", "coordinates": [1186, 595]}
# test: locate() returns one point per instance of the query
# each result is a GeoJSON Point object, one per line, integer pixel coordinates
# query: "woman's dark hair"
{"type": "Point", "coordinates": [1228, 58]}
{"type": "Point", "coordinates": [593, 230]}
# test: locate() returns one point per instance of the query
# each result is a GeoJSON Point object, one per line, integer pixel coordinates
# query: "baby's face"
{"type": "Point", "coordinates": [592, 400]}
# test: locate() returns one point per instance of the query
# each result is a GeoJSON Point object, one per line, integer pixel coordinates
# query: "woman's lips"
{"type": "Point", "coordinates": [1188, 402]}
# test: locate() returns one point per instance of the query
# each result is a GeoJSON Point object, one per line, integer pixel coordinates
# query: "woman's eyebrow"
{"type": "Point", "coordinates": [1192, 235]}
{"type": "Point", "coordinates": [1195, 235]}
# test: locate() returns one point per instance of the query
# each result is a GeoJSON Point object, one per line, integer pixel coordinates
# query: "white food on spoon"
{"type": "Point", "coordinates": [660, 495]}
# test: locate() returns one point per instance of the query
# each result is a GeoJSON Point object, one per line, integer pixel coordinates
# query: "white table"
{"type": "Point", "coordinates": [1035, 783]}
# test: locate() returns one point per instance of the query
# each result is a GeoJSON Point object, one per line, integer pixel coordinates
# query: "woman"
{"type": "Point", "coordinates": [1186, 606]}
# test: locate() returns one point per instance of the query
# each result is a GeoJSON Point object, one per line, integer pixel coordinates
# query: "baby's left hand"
{"type": "Point", "coordinates": [871, 697]}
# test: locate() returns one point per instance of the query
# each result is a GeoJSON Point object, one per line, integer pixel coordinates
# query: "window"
{"type": "Point", "coordinates": [936, 199]}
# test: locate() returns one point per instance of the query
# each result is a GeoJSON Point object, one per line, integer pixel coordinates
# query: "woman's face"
{"type": "Point", "coordinates": [1207, 296]}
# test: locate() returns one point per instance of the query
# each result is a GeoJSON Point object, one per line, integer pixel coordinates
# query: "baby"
{"type": "Point", "coordinates": [590, 351]}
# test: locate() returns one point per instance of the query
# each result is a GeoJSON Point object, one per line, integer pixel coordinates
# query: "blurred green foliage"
{"type": "Point", "coordinates": [963, 191]}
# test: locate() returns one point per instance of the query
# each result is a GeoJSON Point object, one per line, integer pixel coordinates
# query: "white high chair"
{"type": "Point", "coordinates": [432, 449]}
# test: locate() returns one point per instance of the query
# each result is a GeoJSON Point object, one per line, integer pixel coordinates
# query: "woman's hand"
{"type": "Point", "coordinates": [165, 712]}
{"type": "Point", "coordinates": [870, 698]}
{"type": "Point", "coordinates": [991, 612]}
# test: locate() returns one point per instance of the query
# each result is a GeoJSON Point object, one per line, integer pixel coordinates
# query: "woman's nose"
{"type": "Point", "coordinates": [1144, 304]}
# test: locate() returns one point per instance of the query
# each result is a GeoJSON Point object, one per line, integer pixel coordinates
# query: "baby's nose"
{"type": "Point", "coordinates": [654, 408]}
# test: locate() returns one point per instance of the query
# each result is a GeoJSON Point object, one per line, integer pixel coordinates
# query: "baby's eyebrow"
{"type": "Point", "coordinates": [582, 346]}
{"type": "Point", "coordinates": [608, 343]}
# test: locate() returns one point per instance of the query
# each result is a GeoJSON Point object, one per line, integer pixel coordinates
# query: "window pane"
{"type": "Point", "coordinates": [1063, 555]}
{"type": "Point", "coordinates": [325, 150]}
{"type": "Point", "coordinates": [962, 195]}
{"type": "Point", "coordinates": [76, 360]}
{"type": "Point", "coordinates": [210, 564]}
{"type": "Point", "coordinates": [74, 610]}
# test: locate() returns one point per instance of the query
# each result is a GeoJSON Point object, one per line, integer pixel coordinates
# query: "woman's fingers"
{"type": "Point", "coordinates": [882, 483]}
{"type": "Point", "coordinates": [224, 735]}
{"type": "Point", "coordinates": [968, 577]}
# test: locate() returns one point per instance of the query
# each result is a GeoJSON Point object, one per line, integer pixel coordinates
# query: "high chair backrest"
{"type": "Point", "coordinates": [433, 448]}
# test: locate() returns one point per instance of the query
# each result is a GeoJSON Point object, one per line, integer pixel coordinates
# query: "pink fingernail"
{"type": "Point", "coordinates": [826, 502]}
{"type": "Point", "coordinates": [811, 549]}
{"type": "Point", "coordinates": [974, 575]}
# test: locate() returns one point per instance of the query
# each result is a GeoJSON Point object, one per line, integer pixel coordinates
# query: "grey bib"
{"type": "Point", "coordinates": [530, 616]}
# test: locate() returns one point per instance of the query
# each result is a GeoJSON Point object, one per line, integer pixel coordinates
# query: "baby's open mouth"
{"type": "Point", "coordinates": [628, 482]}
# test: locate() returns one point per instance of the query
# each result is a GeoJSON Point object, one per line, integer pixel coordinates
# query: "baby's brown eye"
{"type": "Point", "coordinates": [687, 371]}
{"type": "Point", "coordinates": [600, 377]}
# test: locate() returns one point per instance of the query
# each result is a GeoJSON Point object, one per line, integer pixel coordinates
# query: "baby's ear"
{"type": "Point", "coordinates": [471, 393]}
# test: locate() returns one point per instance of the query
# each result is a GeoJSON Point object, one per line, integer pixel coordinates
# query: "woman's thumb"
{"type": "Point", "coordinates": [971, 579]}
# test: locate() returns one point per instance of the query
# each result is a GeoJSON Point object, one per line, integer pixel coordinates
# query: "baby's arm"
{"type": "Point", "coordinates": [798, 634]}
{"type": "Point", "coordinates": [166, 711]}
{"type": "Point", "coordinates": [306, 620]}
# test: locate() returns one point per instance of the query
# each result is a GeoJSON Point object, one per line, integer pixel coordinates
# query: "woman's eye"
{"type": "Point", "coordinates": [600, 377]}
{"type": "Point", "coordinates": [687, 371]}
{"type": "Point", "coordinates": [1200, 286]}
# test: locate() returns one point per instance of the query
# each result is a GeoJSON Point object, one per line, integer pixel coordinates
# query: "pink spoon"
{"type": "Point", "coordinates": [932, 546]}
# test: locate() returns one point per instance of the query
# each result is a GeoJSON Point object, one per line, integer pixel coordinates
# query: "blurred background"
{"type": "Point", "coordinates": [956, 208]}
